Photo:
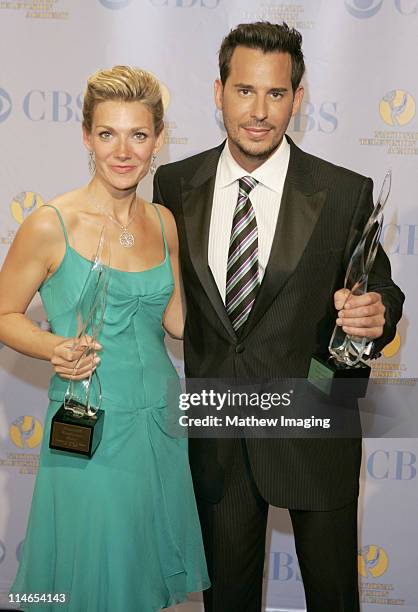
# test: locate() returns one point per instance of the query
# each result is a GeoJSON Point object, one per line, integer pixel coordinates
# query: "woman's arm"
{"type": "Point", "coordinates": [174, 316]}
{"type": "Point", "coordinates": [36, 251]}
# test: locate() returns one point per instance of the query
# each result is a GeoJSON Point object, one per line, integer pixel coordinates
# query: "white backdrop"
{"type": "Point", "coordinates": [359, 111]}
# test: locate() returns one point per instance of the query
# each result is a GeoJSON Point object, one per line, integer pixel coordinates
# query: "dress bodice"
{"type": "Point", "coordinates": [134, 365]}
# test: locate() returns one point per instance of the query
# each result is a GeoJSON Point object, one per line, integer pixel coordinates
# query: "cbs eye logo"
{"type": "Point", "coordinates": [115, 5]}
{"type": "Point", "coordinates": [363, 9]}
{"type": "Point", "coordinates": [5, 105]}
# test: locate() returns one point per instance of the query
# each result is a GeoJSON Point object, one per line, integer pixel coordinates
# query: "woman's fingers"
{"type": "Point", "coordinates": [79, 371]}
{"type": "Point", "coordinates": [76, 358]}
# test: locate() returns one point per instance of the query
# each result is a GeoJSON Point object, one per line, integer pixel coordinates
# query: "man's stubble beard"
{"type": "Point", "coordinates": [260, 156]}
{"type": "Point", "coordinates": [257, 155]}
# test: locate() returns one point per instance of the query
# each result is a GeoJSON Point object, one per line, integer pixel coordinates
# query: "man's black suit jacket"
{"type": "Point", "coordinates": [323, 210]}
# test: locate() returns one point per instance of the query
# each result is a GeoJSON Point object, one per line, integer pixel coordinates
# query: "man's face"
{"type": "Point", "coordinates": [257, 103]}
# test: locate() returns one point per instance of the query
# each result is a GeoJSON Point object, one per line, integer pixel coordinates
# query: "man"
{"type": "Point", "coordinates": [261, 260]}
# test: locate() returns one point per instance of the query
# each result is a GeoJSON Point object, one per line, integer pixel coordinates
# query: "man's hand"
{"type": "Point", "coordinates": [360, 315]}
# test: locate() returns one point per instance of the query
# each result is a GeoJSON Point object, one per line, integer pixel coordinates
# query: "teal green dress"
{"type": "Point", "coordinates": [118, 532]}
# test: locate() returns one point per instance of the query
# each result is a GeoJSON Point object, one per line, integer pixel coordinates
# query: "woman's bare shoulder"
{"type": "Point", "coordinates": [170, 227]}
{"type": "Point", "coordinates": [44, 223]}
{"type": "Point", "coordinates": [69, 203]}
{"type": "Point", "coordinates": [167, 216]}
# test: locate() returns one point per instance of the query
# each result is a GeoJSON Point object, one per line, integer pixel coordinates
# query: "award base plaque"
{"type": "Point", "coordinates": [338, 379]}
{"type": "Point", "coordinates": [76, 434]}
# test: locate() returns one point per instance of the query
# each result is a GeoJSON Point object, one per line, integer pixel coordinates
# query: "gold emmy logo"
{"type": "Point", "coordinates": [397, 107]}
{"type": "Point", "coordinates": [393, 347]}
{"type": "Point", "coordinates": [24, 203]}
{"type": "Point", "coordinates": [26, 432]}
{"type": "Point", "coordinates": [372, 561]}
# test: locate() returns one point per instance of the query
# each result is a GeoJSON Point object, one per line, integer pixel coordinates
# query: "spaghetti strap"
{"type": "Point", "coordinates": [162, 227]}
{"type": "Point", "coordinates": [62, 223]}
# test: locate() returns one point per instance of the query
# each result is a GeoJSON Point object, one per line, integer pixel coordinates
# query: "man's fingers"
{"type": "Point", "coordinates": [362, 315]}
{"type": "Point", "coordinates": [340, 298]}
{"type": "Point", "coordinates": [344, 300]}
{"type": "Point", "coordinates": [362, 311]}
{"type": "Point", "coordinates": [371, 298]}
{"type": "Point", "coordinates": [364, 322]}
{"type": "Point", "coordinates": [364, 332]}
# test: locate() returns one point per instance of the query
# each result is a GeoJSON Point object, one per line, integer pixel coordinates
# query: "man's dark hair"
{"type": "Point", "coordinates": [269, 38]}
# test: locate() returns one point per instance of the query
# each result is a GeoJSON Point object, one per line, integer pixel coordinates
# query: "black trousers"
{"type": "Point", "coordinates": [234, 533]}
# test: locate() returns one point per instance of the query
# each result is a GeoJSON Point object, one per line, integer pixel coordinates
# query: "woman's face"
{"type": "Point", "coordinates": [123, 141]}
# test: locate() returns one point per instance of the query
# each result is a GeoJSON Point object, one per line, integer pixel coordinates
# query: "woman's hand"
{"type": "Point", "coordinates": [76, 358]}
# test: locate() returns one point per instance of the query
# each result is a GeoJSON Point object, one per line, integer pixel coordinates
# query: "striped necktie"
{"type": "Point", "coordinates": [242, 279]}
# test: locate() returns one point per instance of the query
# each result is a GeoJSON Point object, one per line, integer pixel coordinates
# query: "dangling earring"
{"type": "Point", "coordinates": [92, 162]}
{"type": "Point", "coordinates": [153, 166]}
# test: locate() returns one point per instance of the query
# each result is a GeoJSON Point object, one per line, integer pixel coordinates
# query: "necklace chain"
{"type": "Point", "coordinates": [126, 239]}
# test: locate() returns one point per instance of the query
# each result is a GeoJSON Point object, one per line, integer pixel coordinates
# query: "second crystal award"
{"type": "Point", "coordinates": [346, 353]}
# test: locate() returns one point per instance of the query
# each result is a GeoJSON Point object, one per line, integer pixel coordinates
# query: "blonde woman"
{"type": "Point", "coordinates": [118, 531]}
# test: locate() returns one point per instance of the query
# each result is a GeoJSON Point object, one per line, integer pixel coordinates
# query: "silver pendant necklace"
{"type": "Point", "coordinates": [126, 239]}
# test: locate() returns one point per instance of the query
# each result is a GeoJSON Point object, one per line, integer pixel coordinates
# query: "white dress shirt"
{"type": "Point", "coordinates": [265, 198]}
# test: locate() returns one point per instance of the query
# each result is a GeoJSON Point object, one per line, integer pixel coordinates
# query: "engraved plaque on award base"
{"type": "Point", "coordinates": [75, 434]}
{"type": "Point", "coordinates": [338, 379]}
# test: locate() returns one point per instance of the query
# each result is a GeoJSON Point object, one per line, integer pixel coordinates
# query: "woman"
{"type": "Point", "coordinates": [118, 531]}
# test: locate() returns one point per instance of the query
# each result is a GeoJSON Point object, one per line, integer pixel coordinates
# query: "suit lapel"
{"type": "Point", "coordinates": [299, 211]}
{"type": "Point", "coordinates": [197, 200]}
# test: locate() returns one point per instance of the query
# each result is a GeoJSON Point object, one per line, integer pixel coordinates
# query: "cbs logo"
{"type": "Point", "coordinates": [364, 9]}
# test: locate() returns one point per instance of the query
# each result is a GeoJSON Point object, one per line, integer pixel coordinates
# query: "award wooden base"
{"type": "Point", "coordinates": [76, 434]}
{"type": "Point", "coordinates": [337, 379]}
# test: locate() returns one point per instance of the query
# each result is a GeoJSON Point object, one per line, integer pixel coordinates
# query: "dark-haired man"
{"type": "Point", "coordinates": [266, 232]}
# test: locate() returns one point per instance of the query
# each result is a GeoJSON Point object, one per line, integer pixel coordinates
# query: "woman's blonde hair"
{"type": "Point", "coordinates": [127, 84]}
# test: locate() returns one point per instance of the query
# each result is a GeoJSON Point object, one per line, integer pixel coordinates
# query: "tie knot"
{"type": "Point", "coordinates": [246, 185]}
